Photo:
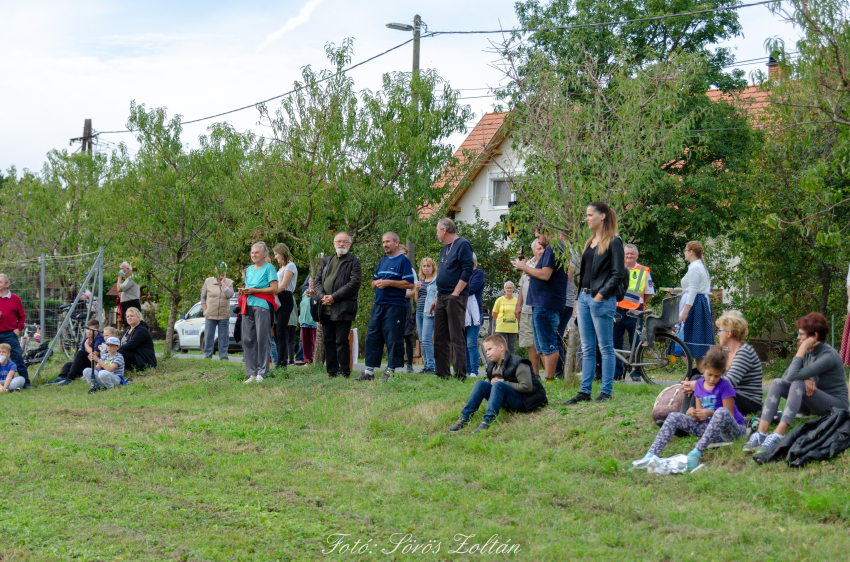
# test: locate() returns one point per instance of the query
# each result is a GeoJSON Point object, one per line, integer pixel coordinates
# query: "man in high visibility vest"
{"type": "Point", "coordinates": [639, 291]}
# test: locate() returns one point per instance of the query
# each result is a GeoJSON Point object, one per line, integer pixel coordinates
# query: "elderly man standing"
{"type": "Point", "coordinates": [640, 290]}
{"type": "Point", "coordinates": [391, 282]}
{"type": "Point", "coordinates": [455, 271]}
{"type": "Point", "coordinates": [336, 287]}
{"type": "Point", "coordinates": [547, 296]}
{"type": "Point", "coordinates": [12, 320]}
{"type": "Point", "coordinates": [128, 290]}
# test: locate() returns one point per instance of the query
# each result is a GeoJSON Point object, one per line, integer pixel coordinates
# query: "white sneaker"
{"type": "Point", "coordinates": [260, 378]}
{"type": "Point", "coordinates": [251, 379]}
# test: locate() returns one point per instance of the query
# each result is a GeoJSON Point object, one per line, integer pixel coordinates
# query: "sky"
{"type": "Point", "coordinates": [64, 62]}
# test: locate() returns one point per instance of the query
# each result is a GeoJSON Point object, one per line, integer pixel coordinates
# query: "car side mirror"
{"type": "Point", "coordinates": [182, 317]}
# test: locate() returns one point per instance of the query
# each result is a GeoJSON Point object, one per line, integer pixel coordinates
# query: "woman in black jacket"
{"type": "Point", "coordinates": [137, 343]}
{"type": "Point", "coordinates": [603, 272]}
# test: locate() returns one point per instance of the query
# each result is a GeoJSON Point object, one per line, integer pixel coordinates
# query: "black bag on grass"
{"type": "Point", "coordinates": [820, 439]}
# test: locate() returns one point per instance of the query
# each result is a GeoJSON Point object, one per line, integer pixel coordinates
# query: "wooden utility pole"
{"type": "Point", "coordinates": [87, 137]}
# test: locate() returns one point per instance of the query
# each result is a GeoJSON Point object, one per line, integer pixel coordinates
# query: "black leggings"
{"type": "Point", "coordinates": [281, 331]}
{"type": "Point", "coordinates": [408, 347]}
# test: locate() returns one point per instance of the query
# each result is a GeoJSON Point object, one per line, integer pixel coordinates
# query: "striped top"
{"type": "Point", "coordinates": [745, 374]}
{"type": "Point", "coordinates": [423, 294]}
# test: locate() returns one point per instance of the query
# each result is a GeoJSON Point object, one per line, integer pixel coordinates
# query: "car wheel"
{"type": "Point", "coordinates": [175, 345]}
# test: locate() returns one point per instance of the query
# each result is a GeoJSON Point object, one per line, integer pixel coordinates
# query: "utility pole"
{"type": "Point", "coordinates": [87, 137]}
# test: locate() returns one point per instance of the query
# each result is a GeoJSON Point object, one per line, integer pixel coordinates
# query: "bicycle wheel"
{"type": "Point", "coordinates": [656, 362]}
{"type": "Point", "coordinates": [70, 342]}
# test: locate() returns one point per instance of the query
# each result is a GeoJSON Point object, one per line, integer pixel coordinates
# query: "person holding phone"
{"type": "Point", "coordinates": [129, 292]}
{"type": "Point", "coordinates": [215, 300]}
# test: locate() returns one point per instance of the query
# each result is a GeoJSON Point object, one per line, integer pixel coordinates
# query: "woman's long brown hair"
{"type": "Point", "coordinates": [609, 226]}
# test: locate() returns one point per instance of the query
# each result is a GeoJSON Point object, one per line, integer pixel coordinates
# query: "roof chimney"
{"type": "Point", "coordinates": [772, 69]}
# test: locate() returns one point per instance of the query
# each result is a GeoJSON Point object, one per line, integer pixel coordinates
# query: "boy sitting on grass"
{"type": "Point", "coordinates": [9, 371]}
{"type": "Point", "coordinates": [511, 384]}
{"type": "Point", "coordinates": [109, 370]}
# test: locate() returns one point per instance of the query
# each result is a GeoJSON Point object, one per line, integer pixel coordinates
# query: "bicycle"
{"type": "Point", "coordinates": [75, 331]}
{"type": "Point", "coordinates": [658, 353]}
{"type": "Point", "coordinates": [25, 337]}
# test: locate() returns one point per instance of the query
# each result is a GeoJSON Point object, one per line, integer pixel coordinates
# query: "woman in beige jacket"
{"type": "Point", "coordinates": [215, 300]}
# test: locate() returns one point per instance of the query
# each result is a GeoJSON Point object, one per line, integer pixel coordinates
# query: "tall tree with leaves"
{"type": "Point", "coordinates": [172, 201]}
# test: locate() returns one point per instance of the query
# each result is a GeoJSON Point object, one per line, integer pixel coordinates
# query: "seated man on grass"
{"type": "Point", "coordinates": [511, 384]}
{"type": "Point", "coordinates": [10, 380]}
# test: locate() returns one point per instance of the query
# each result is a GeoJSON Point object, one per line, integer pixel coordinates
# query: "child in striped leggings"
{"type": "Point", "coordinates": [715, 419]}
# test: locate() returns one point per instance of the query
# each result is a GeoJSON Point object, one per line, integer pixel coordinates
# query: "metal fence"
{"type": "Point", "coordinates": [47, 283]}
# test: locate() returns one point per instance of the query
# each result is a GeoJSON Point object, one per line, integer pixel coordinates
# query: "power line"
{"type": "Point", "coordinates": [603, 24]}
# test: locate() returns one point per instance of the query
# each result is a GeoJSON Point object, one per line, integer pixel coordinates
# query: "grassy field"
{"type": "Point", "coordinates": [188, 463]}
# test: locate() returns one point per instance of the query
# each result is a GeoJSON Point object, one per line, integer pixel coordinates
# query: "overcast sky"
{"type": "Point", "coordinates": [66, 61]}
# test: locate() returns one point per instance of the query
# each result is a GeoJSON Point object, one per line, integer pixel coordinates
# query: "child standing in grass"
{"type": "Point", "coordinates": [109, 370]}
{"type": "Point", "coordinates": [715, 419]}
{"type": "Point", "coordinates": [9, 371]}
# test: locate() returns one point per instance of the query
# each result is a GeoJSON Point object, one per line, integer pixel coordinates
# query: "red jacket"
{"type": "Point", "coordinates": [12, 315]}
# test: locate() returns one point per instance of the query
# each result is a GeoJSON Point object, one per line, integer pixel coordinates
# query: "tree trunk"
{"type": "Point", "coordinates": [573, 342]}
{"type": "Point", "coordinates": [172, 318]}
{"type": "Point", "coordinates": [826, 282]}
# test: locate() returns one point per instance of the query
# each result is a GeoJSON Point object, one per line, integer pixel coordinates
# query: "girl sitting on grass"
{"type": "Point", "coordinates": [715, 419]}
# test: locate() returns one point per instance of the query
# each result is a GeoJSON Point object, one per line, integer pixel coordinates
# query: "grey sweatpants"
{"type": "Point", "coordinates": [101, 377]}
{"type": "Point", "coordinates": [819, 402]}
{"type": "Point", "coordinates": [256, 335]}
{"type": "Point", "coordinates": [16, 383]}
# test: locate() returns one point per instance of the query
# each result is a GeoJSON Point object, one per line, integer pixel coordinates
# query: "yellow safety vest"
{"type": "Point", "coordinates": [637, 284]}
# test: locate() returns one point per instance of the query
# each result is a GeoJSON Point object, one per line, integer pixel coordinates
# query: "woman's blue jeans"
{"type": "Point", "coordinates": [472, 355]}
{"type": "Point", "coordinates": [596, 325]}
{"type": "Point", "coordinates": [499, 395]}
{"type": "Point", "coordinates": [425, 326]}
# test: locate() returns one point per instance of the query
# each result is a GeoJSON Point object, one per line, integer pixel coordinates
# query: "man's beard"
{"type": "Point", "coordinates": [341, 251]}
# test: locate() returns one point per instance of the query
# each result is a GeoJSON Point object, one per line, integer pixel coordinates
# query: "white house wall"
{"type": "Point", "coordinates": [478, 195]}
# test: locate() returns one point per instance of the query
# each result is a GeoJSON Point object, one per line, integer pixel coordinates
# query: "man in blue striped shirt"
{"type": "Point", "coordinates": [389, 313]}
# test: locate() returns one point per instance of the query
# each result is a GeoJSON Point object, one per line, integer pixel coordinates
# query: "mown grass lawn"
{"type": "Point", "coordinates": [188, 463]}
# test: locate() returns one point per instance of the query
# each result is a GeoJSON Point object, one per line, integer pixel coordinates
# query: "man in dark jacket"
{"type": "Point", "coordinates": [511, 384]}
{"type": "Point", "coordinates": [336, 287]}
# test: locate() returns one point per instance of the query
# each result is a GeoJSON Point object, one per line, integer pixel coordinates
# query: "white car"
{"type": "Point", "coordinates": [189, 329]}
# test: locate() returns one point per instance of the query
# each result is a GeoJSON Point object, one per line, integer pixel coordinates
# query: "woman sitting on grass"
{"type": "Point", "coordinates": [815, 378]}
{"type": "Point", "coordinates": [715, 419]}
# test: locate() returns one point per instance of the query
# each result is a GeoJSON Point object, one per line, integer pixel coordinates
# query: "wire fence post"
{"type": "Point", "coordinates": [41, 300]}
{"type": "Point", "coordinates": [100, 316]}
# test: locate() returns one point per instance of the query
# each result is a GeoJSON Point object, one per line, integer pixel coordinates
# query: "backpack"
{"type": "Point", "coordinates": [669, 400]}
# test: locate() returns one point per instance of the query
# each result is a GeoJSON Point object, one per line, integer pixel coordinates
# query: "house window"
{"type": "Point", "coordinates": [501, 194]}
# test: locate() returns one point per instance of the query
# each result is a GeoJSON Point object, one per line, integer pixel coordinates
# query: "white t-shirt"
{"type": "Point", "coordinates": [293, 282]}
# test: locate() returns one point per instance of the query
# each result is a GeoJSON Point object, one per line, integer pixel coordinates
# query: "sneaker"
{"type": "Point", "coordinates": [481, 427]}
{"type": "Point", "coordinates": [603, 396]}
{"type": "Point", "coordinates": [725, 443]}
{"type": "Point", "coordinates": [769, 442]}
{"type": "Point", "coordinates": [93, 389]}
{"type": "Point", "coordinates": [693, 459]}
{"type": "Point", "coordinates": [57, 380]}
{"type": "Point", "coordinates": [260, 378]}
{"type": "Point", "coordinates": [459, 424]}
{"type": "Point", "coordinates": [635, 377]}
{"type": "Point", "coordinates": [365, 376]}
{"type": "Point", "coordinates": [755, 441]}
{"type": "Point", "coordinates": [251, 379]}
{"type": "Point", "coordinates": [580, 397]}
{"type": "Point", "coordinates": [410, 369]}
{"type": "Point", "coordinates": [387, 376]}
{"type": "Point", "coordinates": [28, 386]}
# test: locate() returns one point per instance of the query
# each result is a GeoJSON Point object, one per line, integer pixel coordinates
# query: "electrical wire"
{"type": "Point", "coordinates": [607, 23]}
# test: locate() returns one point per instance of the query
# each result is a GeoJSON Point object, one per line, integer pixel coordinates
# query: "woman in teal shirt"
{"type": "Point", "coordinates": [260, 288]}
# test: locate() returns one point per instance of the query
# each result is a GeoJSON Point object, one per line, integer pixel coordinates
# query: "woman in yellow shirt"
{"type": "Point", "coordinates": [504, 313]}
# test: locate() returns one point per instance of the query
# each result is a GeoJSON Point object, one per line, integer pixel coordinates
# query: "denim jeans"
{"type": "Point", "coordinates": [210, 337]}
{"type": "Point", "coordinates": [546, 321]}
{"type": "Point", "coordinates": [596, 325]}
{"type": "Point", "coordinates": [273, 350]}
{"type": "Point", "coordinates": [426, 338]}
{"type": "Point", "coordinates": [498, 395]}
{"type": "Point", "coordinates": [472, 355]}
{"type": "Point", "coordinates": [630, 324]}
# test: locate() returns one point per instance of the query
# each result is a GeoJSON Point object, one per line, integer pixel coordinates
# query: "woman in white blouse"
{"type": "Point", "coordinates": [695, 307]}
{"type": "Point", "coordinates": [287, 279]}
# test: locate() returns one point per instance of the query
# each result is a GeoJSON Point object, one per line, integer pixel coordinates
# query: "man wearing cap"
{"type": "Point", "coordinates": [639, 292]}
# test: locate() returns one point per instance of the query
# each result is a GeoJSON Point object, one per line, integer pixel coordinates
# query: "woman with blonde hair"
{"type": "Point", "coordinates": [258, 305]}
{"type": "Point", "coordinates": [505, 316]}
{"type": "Point", "coordinates": [603, 271]}
{"type": "Point", "coordinates": [287, 279]}
{"type": "Point", "coordinates": [743, 367]}
{"type": "Point", "coordinates": [424, 319]}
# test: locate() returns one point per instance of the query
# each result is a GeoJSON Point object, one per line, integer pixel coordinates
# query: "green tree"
{"type": "Point", "coordinates": [173, 202]}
